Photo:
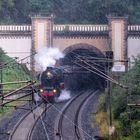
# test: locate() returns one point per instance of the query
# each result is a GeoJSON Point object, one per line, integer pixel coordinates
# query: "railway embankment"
{"type": "Point", "coordinates": [125, 107]}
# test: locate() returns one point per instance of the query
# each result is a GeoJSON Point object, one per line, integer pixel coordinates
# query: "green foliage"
{"type": "Point", "coordinates": [119, 107]}
{"type": "Point", "coordinates": [136, 130]}
{"type": "Point", "coordinates": [11, 71]}
{"type": "Point", "coordinates": [128, 118]}
{"type": "Point", "coordinates": [69, 11]}
{"type": "Point", "coordinates": [124, 122]}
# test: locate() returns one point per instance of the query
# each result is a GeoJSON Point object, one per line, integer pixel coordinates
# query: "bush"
{"type": "Point", "coordinates": [119, 101]}
{"type": "Point", "coordinates": [124, 123]}
{"type": "Point", "coordinates": [136, 130]}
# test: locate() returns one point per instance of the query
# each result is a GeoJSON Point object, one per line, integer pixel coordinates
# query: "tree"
{"type": "Point", "coordinates": [69, 11]}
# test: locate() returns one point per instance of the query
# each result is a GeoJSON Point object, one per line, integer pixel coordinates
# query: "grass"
{"type": "Point", "coordinates": [6, 111]}
{"type": "Point", "coordinates": [11, 71]}
{"type": "Point", "coordinates": [101, 119]}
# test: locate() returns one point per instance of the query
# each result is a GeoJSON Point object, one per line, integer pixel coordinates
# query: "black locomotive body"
{"type": "Point", "coordinates": [51, 84]}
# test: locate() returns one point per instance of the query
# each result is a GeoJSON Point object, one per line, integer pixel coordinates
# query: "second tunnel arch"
{"type": "Point", "coordinates": [79, 77]}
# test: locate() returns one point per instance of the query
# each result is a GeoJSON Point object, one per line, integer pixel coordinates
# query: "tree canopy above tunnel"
{"type": "Point", "coordinates": [68, 11]}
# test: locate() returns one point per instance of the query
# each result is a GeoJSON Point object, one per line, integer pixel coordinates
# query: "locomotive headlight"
{"type": "Point", "coordinates": [41, 90]}
{"type": "Point", "coordinates": [48, 73]}
{"type": "Point", "coordinates": [54, 90]}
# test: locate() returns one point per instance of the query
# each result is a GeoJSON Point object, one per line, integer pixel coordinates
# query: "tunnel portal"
{"type": "Point", "coordinates": [82, 64]}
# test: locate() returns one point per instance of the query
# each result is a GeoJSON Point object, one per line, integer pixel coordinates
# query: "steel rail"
{"type": "Point", "coordinates": [24, 128]}
{"type": "Point", "coordinates": [16, 99]}
{"type": "Point", "coordinates": [78, 130]}
{"type": "Point", "coordinates": [59, 122]}
{"type": "Point", "coordinates": [60, 118]}
{"type": "Point", "coordinates": [19, 89]}
{"type": "Point", "coordinates": [8, 97]}
{"type": "Point", "coordinates": [15, 82]}
{"type": "Point", "coordinates": [30, 134]}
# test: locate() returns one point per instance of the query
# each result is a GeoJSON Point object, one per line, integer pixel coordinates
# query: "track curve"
{"type": "Point", "coordinates": [67, 123]}
{"type": "Point", "coordinates": [24, 128]}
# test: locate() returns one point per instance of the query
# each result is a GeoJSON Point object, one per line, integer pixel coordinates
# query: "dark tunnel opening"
{"type": "Point", "coordinates": [79, 64]}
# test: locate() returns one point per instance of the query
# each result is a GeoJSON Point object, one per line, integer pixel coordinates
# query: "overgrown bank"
{"type": "Point", "coordinates": [11, 71]}
{"type": "Point", "coordinates": [125, 109]}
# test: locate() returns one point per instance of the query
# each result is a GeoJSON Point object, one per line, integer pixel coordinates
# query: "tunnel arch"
{"type": "Point", "coordinates": [83, 46]}
{"type": "Point", "coordinates": [83, 80]}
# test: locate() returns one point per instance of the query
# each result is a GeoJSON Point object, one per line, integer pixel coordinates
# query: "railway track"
{"type": "Point", "coordinates": [68, 121]}
{"type": "Point", "coordinates": [24, 128]}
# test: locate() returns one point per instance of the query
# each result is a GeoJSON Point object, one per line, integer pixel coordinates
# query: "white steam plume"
{"type": "Point", "coordinates": [46, 57]}
{"type": "Point", "coordinates": [65, 95]}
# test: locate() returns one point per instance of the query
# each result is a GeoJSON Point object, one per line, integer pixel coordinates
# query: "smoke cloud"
{"type": "Point", "coordinates": [65, 95]}
{"type": "Point", "coordinates": [47, 57]}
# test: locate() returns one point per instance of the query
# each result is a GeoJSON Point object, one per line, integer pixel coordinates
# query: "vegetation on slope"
{"type": "Point", "coordinates": [68, 11]}
{"type": "Point", "coordinates": [126, 119]}
{"type": "Point", "coordinates": [11, 71]}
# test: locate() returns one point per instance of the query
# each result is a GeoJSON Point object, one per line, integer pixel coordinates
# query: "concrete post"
{"type": "Point", "coordinates": [42, 35]}
{"type": "Point", "coordinates": [118, 36]}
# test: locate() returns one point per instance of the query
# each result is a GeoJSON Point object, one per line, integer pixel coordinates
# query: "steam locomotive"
{"type": "Point", "coordinates": [51, 84]}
